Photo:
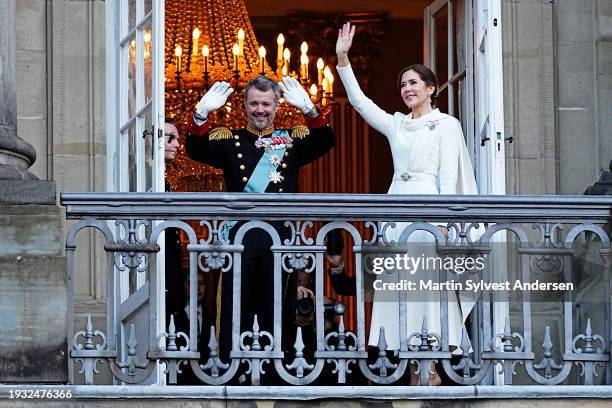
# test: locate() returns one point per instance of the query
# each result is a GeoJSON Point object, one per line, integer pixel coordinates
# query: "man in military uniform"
{"type": "Point", "coordinates": [259, 158]}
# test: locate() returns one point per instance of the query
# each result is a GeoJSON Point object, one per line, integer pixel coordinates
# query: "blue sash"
{"type": "Point", "coordinates": [260, 178]}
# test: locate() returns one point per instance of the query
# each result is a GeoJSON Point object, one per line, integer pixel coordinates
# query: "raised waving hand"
{"type": "Point", "coordinates": [344, 42]}
{"type": "Point", "coordinates": [214, 99]}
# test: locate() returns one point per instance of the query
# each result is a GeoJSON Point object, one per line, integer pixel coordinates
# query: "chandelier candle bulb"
{"type": "Point", "coordinates": [326, 92]}
{"type": "Point", "coordinates": [304, 62]}
{"type": "Point", "coordinates": [178, 51]}
{"type": "Point", "coordinates": [236, 52]}
{"type": "Point", "coordinates": [280, 40]}
{"type": "Point", "coordinates": [304, 47]}
{"type": "Point", "coordinates": [325, 85]}
{"type": "Point", "coordinates": [205, 53]}
{"type": "Point", "coordinates": [241, 42]}
{"type": "Point", "coordinates": [286, 57]}
{"type": "Point", "coordinates": [320, 65]}
{"type": "Point", "coordinates": [262, 59]}
{"type": "Point", "coordinates": [196, 38]}
{"type": "Point", "coordinates": [330, 78]}
{"type": "Point", "coordinates": [313, 92]}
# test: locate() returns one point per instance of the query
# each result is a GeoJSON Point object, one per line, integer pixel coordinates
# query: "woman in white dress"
{"type": "Point", "coordinates": [429, 157]}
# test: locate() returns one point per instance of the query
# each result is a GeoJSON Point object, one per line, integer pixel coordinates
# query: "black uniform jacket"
{"type": "Point", "coordinates": [234, 151]}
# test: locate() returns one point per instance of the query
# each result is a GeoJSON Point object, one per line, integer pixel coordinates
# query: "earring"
{"type": "Point", "coordinates": [429, 97]}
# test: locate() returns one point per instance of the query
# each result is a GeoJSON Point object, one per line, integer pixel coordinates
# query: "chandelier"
{"type": "Point", "coordinates": [213, 40]}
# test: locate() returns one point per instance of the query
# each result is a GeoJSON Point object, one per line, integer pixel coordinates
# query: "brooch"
{"type": "Point", "coordinates": [431, 124]}
{"type": "Point", "coordinates": [405, 176]}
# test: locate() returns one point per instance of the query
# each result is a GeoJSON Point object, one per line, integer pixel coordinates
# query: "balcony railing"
{"type": "Point", "coordinates": [506, 341]}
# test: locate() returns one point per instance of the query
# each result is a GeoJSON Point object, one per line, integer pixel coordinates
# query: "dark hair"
{"type": "Point", "coordinates": [426, 76]}
{"type": "Point", "coordinates": [263, 84]}
{"type": "Point", "coordinates": [170, 120]}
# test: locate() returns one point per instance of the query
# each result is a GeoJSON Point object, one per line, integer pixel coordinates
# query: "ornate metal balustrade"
{"type": "Point", "coordinates": [546, 230]}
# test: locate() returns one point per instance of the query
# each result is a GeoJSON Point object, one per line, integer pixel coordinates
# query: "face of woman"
{"type": "Point", "coordinates": [414, 91]}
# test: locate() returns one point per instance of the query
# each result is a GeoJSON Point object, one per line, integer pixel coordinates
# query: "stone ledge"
{"type": "Point", "coordinates": [33, 319]}
{"type": "Point", "coordinates": [404, 396]}
{"type": "Point", "coordinates": [30, 230]}
{"type": "Point", "coordinates": [27, 192]}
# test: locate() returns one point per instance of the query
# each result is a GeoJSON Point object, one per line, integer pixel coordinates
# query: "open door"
{"type": "Point", "coordinates": [135, 154]}
{"type": "Point", "coordinates": [463, 46]}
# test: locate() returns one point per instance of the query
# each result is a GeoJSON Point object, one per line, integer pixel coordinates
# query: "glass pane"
{"type": "Point", "coordinates": [459, 30]}
{"type": "Point", "coordinates": [459, 101]}
{"type": "Point", "coordinates": [442, 100]}
{"type": "Point", "coordinates": [131, 76]}
{"type": "Point", "coordinates": [132, 173]}
{"type": "Point", "coordinates": [441, 44]}
{"type": "Point", "coordinates": [148, 150]}
{"type": "Point", "coordinates": [131, 14]}
{"type": "Point", "coordinates": [148, 63]}
{"type": "Point", "coordinates": [147, 7]}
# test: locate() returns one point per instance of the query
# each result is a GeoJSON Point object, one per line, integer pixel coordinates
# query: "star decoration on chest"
{"type": "Point", "coordinates": [275, 177]}
{"type": "Point", "coordinates": [275, 159]}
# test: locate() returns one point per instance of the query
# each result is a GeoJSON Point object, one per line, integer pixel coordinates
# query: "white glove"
{"type": "Point", "coordinates": [214, 99]}
{"type": "Point", "coordinates": [295, 95]}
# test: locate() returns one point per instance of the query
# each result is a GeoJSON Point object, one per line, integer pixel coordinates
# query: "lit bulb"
{"type": "Point", "coordinates": [235, 49]}
{"type": "Point", "coordinates": [328, 74]}
{"type": "Point", "coordinates": [304, 47]}
{"type": "Point", "coordinates": [313, 89]}
{"type": "Point", "coordinates": [178, 51]}
{"type": "Point", "coordinates": [133, 44]}
{"type": "Point", "coordinates": [304, 59]}
{"type": "Point", "coordinates": [240, 42]}
{"type": "Point", "coordinates": [262, 52]}
{"type": "Point", "coordinates": [286, 54]}
{"type": "Point", "coordinates": [280, 40]}
{"type": "Point", "coordinates": [205, 51]}
{"type": "Point", "coordinates": [320, 63]}
{"type": "Point", "coordinates": [325, 85]}
{"type": "Point", "coordinates": [196, 33]}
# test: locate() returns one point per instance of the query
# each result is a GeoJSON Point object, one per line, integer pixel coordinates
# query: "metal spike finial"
{"type": "Point", "coordinates": [588, 338]}
{"type": "Point", "coordinates": [212, 343]}
{"type": "Point", "coordinates": [507, 338]}
{"type": "Point", "coordinates": [214, 363]}
{"type": "Point", "coordinates": [171, 343]}
{"type": "Point", "coordinates": [89, 334]}
{"type": "Point", "coordinates": [466, 345]}
{"type": "Point", "coordinates": [255, 345]}
{"type": "Point", "coordinates": [547, 344]}
{"type": "Point", "coordinates": [382, 363]}
{"type": "Point", "coordinates": [299, 343]}
{"type": "Point", "coordinates": [424, 346]}
{"type": "Point", "coordinates": [382, 343]}
{"type": "Point", "coordinates": [255, 324]}
{"type": "Point", "coordinates": [341, 335]}
{"type": "Point", "coordinates": [132, 343]}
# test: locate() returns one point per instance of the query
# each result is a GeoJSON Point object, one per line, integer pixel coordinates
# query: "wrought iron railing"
{"type": "Point", "coordinates": [554, 237]}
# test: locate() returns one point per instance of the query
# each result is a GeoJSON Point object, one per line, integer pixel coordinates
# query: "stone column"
{"type": "Point", "coordinates": [16, 155]}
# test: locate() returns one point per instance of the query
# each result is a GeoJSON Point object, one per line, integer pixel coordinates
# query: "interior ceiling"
{"type": "Point", "coordinates": [409, 9]}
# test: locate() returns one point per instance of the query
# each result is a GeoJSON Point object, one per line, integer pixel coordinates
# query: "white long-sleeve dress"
{"type": "Point", "coordinates": [429, 157]}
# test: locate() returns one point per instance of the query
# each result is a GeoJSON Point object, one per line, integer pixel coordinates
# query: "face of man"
{"type": "Point", "coordinates": [260, 107]}
{"type": "Point", "coordinates": [201, 291]}
{"type": "Point", "coordinates": [171, 144]}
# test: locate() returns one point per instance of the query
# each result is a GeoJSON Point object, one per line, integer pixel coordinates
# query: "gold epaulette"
{"type": "Point", "coordinates": [299, 132]}
{"type": "Point", "coordinates": [220, 134]}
